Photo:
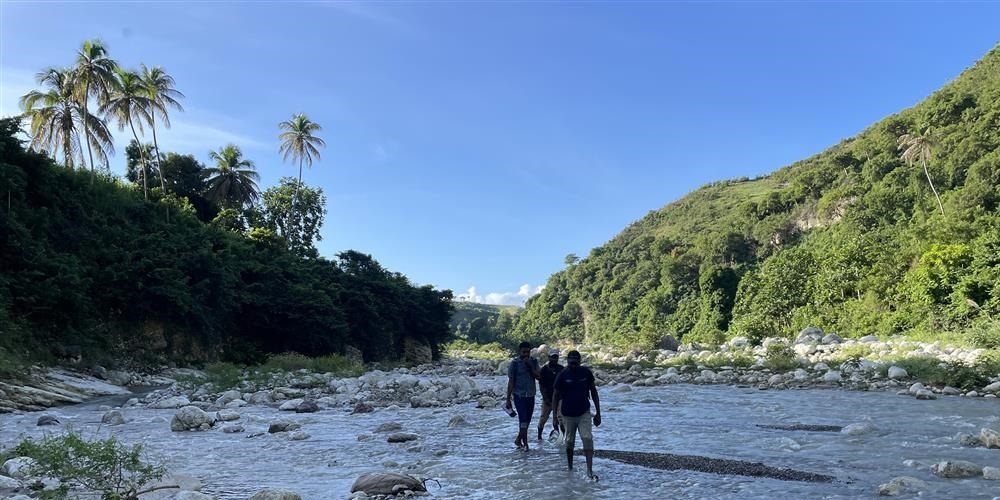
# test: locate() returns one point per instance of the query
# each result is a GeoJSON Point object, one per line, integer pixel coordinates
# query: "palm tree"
{"type": "Point", "coordinates": [128, 103]}
{"type": "Point", "coordinates": [92, 73]}
{"type": "Point", "coordinates": [56, 114]}
{"type": "Point", "coordinates": [299, 143]}
{"type": "Point", "coordinates": [162, 95]}
{"type": "Point", "coordinates": [232, 182]}
{"type": "Point", "coordinates": [918, 148]}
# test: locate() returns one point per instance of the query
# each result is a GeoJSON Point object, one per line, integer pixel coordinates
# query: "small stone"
{"type": "Point", "coordinates": [972, 394]}
{"type": "Point", "coordinates": [832, 376]}
{"type": "Point", "coordinates": [283, 426]}
{"type": "Point", "coordinates": [897, 373]}
{"type": "Point", "coordinates": [363, 408]}
{"type": "Point", "coordinates": [299, 436]}
{"type": "Point", "coordinates": [389, 427]}
{"type": "Point", "coordinates": [170, 403]}
{"type": "Point", "coordinates": [233, 429]}
{"type": "Point", "coordinates": [227, 415]}
{"type": "Point", "coordinates": [868, 339]}
{"type": "Point", "coordinates": [899, 485]}
{"type": "Point", "coordinates": [926, 394]}
{"type": "Point", "coordinates": [307, 406]}
{"type": "Point", "coordinates": [113, 417]}
{"type": "Point", "coordinates": [990, 438]}
{"type": "Point", "coordinates": [951, 391]}
{"type": "Point", "coordinates": [456, 421]}
{"type": "Point", "coordinates": [18, 467]}
{"type": "Point", "coordinates": [401, 437]}
{"type": "Point", "coordinates": [190, 418]}
{"type": "Point", "coordinates": [969, 440]}
{"type": "Point", "coordinates": [858, 429]}
{"type": "Point", "coordinates": [991, 473]}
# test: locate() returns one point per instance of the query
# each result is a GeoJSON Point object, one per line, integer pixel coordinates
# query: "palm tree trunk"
{"type": "Point", "coordinates": [929, 181]}
{"type": "Point", "coordinates": [159, 161]}
{"type": "Point", "coordinates": [86, 127]}
{"type": "Point", "coordinates": [295, 197]}
{"type": "Point", "coordinates": [142, 159]}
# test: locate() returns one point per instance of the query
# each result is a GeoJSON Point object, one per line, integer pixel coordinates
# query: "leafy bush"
{"type": "Point", "coordinates": [223, 375]}
{"type": "Point", "coordinates": [989, 363]}
{"type": "Point", "coordinates": [986, 335]}
{"type": "Point", "coordinates": [930, 370]}
{"type": "Point", "coordinates": [781, 357]}
{"type": "Point", "coordinates": [114, 470]}
{"type": "Point", "coordinates": [333, 363]}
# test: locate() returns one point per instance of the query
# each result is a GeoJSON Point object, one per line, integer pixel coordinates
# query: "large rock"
{"type": "Point", "coordinates": [832, 338]}
{"type": "Point", "coordinates": [119, 377]}
{"type": "Point", "coordinates": [831, 376]}
{"type": "Point", "coordinates": [7, 485]}
{"type": "Point", "coordinates": [401, 437]}
{"type": "Point", "coordinates": [457, 420]}
{"type": "Point", "coordinates": [47, 420]}
{"type": "Point", "coordinates": [290, 405]}
{"type": "Point", "coordinates": [897, 373]}
{"type": "Point", "coordinates": [858, 429]}
{"type": "Point", "coordinates": [18, 468]}
{"type": "Point", "coordinates": [307, 406]}
{"type": "Point", "coordinates": [227, 415]}
{"type": "Point", "coordinates": [363, 408]}
{"type": "Point", "coordinates": [956, 469]}
{"type": "Point", "coordinates": [273, 494]}
{"type": "Point", "coordinates": [809, 334]}
{"type": "Point", "coordinates": [990, 438]}
{"type": "Point", "coordinates": [868, 339]}
{"type": "Point", "coordinates": [228, 396]}
{"type": "Point", "coordinates": [991, 473]}
{"type": "Point", "coordinates": [899, 485]}
{"type": "Point", "coordinates": [386, 483]}
{"type": "Point", "coordinates": [994, 387]}
{"type": "Point", "coordinates": [191, 418]}
{"type": "Point", "coordinates": [389, 427]}
{"type": "Point", "coordinates": [113, 417]}
{"type": "Point", "coordinates": [170, 403]}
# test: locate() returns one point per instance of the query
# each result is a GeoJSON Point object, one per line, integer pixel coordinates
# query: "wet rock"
{"type": "Point", "coordinates": [191, 418]}
{"type": "Point", "coordinates": [119, 377]}
{"type": "Point", "coordinates": [113, 417]}
{"type": "Point", "coordinates": [365, 437]}
{"type": "Point", "coordinates": [832, 338]}
{"type": "Point", "coordinates": [486, 402]}
{"type": "Point", "coordinates": [290, 405]}
{"type": "Point", "coordinates": [8, 484]}
{"type": "Point", "coordinates": [99, 371]}
{"type": "Point", "coordinates": [273, 494]}
{"type": "Point", "coordinates": [47, 420]}
{"type": "Point", "coordinates": [386, 483]}
{"type": "Point", "coordinates": [897, 373]}
{"type": "Point", "coordinates": [925, 394]}
{"type": "Point", "coordinates": [900, 485]}
{"type": "Point", "coordinates": [228, 396]}
{"type": "Point", "coordinates": [992, 388]}
{"type": "Point", "coordinates": [951, 391]}
{"type": "Point", "coordinates": [915, 388]}
{"type": "Point", "coordinates": [969, 440]}
{"type": "Point", "coordinates": [283, 426]}
{"type": "Point", "coordinates": [170, 403]}
{"type": "Point", "coordinates": [389, 427]}
{"type": "Point", "coordinates": [17, 468]}
{"type": "Point", "coordinates": [809, 334]}
{"type": "Point", "coordinates": [972, 394]}
{"type": "Point", "coordinates": [401, 437]}
{"type": "Point", "coordinates": [859, 429]}
{"type": "Point", "coordinates": [227, 415]}
{"type": "Point", "coordinates": [363, 408]}
{"type": "Point", "coordinates": [233, 429]}
{"type": "Point", "coordinates": [991, 473]}
{"type": "Point", "coordinates": [457, 420]}
{"type": "Point", "coordinates": [990, 438]}
{"type": "Point", "coordinates": [307, 406]}
{"type": "Point", "coordinates": [299, 436]}
{"type": "Point", "coordinates": [261, 397]}
{"type": "Point", "coordinates": [956, 469]}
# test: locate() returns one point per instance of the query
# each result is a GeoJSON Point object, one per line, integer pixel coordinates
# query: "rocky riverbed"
{"type": "Point", "coordinates": [679, 422]}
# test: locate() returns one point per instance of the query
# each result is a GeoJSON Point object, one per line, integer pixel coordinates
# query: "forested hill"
{"type": "Point", "coordinates": [92, 272]}
{"type": "Point", "coordinates": [851, 240]}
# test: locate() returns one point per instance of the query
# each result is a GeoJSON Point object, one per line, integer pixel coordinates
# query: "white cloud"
{"type": "Point", "coordinates": [517, 298]}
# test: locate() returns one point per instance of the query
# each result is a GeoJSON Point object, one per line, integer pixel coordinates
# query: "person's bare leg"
{"type": "Point", "coordinates": [569, 458]}
{"type": "Point", "coordinates": [589, 455]}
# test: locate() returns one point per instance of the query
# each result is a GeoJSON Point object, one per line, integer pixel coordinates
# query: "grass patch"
{"type": "Point", "coordinates": [986, 335]}
{"type": "Point", "coordinates": [735, 359]}
{"type": "Point", "coordinates": [471, 350]}
{"type": "Point", "coordinates": [931, 371]}
{"type": "Point", "coordinates": [333, 363]}
{"type": "Point", "coordinates": [106, 466]}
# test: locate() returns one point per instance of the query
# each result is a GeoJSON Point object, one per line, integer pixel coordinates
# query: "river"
{"type": "Point", "coordinates": [478, 460]}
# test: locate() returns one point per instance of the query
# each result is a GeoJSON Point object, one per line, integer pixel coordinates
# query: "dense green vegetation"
{"type": "Point", "coordinates": [87, 266]}
{"type": "Point", "coordinates": [482, 323]}
{"type": "Point", "coordinates": [852, 240]}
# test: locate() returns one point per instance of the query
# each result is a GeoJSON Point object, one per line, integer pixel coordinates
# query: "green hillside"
{"type": "Point", "coordinates": [481, 323]}
{"type": "Point", "coordinates": [850, 240]}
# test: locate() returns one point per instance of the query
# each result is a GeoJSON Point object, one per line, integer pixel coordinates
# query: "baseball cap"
{"type": "Point", "coordinates": [553, 352]}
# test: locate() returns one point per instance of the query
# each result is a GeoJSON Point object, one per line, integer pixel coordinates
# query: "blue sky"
{"type": "Point", "coordinates": [476, 144]}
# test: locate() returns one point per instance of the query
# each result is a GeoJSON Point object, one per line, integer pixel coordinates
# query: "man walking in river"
{"type": "Point", "coordinates": [573, 388]}
{"type": "Point", "coordinates": [521, 376]}
{"type": "Point", "coordinates": [545, 383]}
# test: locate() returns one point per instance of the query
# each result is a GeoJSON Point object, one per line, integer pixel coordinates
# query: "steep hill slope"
{"type": "Point", "coordinates": [850, 240]}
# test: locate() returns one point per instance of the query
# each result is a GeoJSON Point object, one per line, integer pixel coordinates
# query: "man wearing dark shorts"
{"type": "Point", "coordinates": [573, 388]}
{"type": "Point", "coordinates": [545, 383]}
{"type": "Point", "coordinates": [521, 376]}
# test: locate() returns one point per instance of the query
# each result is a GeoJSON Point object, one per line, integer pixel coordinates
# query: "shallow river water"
{"type": "Point", "coordinates": [712, 421]}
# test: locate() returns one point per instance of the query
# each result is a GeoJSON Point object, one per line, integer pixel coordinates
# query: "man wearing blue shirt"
{"type": "Point", "coordinates": [521, 376]}
{"type": "Point", "coordinates": [572, 391]}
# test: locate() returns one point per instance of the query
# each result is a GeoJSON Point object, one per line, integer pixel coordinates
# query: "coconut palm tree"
{"type": "Point", "coordinates": [916, 148]}
{"type": "Point", "coordinates": [232, 182]}
{"type": "Point", "coordinates": [128, 103]}
{"type": "Point", "coordinates": [92, 73]}
{"type": "Point", "coordinates": [299, 143]}
{"type": "Point", "coordinates": [56, 116]}
{"type": "Point", "coordinates": [162, 95]}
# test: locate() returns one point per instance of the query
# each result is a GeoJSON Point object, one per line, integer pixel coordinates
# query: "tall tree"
{"type": "Point", "coordinates": [128, 103]}
{"type": "Point", "coordinates": [56, 114]}
{"type": "Point", "coordinates": [93, 70]}
{"type": "Point", "coordinates": [916, 148]}
{"type": "Point", "coordinates": [162, 95]}
{"type": "Point", "coordinates": [299, 227]}
{"type": "Point", "coordinates": [232, 182]}
{"type": "Point", "coordinates": [299, 143]}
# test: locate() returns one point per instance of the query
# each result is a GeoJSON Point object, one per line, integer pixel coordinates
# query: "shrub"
{"type": "Point", "coordinates": [986, 335]}
{"type": "Point", "coordinates": [337, 364]}
{"type": "Point", "coordinates": [223, 375]}
{"type": "Point", "coordinates": [106, 466]}
{"type": "Point", "coordinates": [781, 357]}
{"type": "Point", "coordinates": [289, 361]}
{"type": "Point", "coordinates": [989, 362]}
{"type": "Point", "coordinates": [931, 371]}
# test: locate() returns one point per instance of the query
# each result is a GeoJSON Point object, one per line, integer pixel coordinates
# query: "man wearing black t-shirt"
{"type": "Point", "coordinates": [573, 389]}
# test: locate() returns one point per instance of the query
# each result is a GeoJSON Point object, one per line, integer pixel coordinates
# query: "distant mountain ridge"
{"type": "Point", "coordinates": [849, 240]}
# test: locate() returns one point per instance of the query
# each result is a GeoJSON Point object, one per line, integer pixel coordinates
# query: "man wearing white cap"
{"type": "Point", "coordinates": [546, 380]}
